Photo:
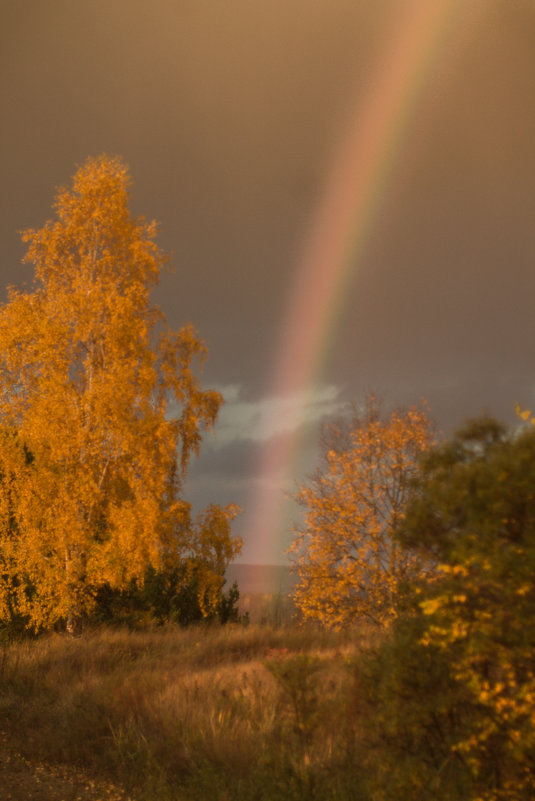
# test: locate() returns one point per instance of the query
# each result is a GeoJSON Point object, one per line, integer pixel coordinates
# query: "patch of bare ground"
{"type": "Point", "coordinates": [22, 780]}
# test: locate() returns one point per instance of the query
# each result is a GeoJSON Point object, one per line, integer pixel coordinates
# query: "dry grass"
{"type": "Point", "coordinates": [247, 713]}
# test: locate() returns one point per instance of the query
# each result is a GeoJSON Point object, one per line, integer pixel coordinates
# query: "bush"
{"type": "Point", "coordinates": [165, 596]}
{"type": "Point", "coordinates": [449, 697]}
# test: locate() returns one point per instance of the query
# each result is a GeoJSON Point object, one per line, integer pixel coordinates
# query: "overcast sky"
{"type": "Point", "coordinates": [234, 117]}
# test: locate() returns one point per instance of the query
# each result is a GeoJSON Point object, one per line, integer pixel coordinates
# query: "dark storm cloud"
{"type": "Point", "coordinates": [444, 296]}
{"type": "Point", "coordinates": [235, 461]}
{"type": "Point", "coordinates": [225, 112]}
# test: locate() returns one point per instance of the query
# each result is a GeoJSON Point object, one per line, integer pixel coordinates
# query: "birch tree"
{"type": "Point", "coordinates": [105, 397]}
{"type": "Point", "coordinates": [348, 563]}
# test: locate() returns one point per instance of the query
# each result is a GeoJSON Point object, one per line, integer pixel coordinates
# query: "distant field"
{"type": "Point", "coordinates": [264, 579]}
{"type": "Point", "coordinates": [264, 592]}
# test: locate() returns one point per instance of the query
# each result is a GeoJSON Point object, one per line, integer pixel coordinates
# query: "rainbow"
{"type": "Point", "coordinates": [356, 184]}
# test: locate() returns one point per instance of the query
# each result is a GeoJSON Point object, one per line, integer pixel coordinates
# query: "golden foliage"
{"type": "Point", "coordinates": [348, 564]}
{"type": "Point", "coordinates": [524, 414]}
{"type": "Point", "coordinates": [104, 401]}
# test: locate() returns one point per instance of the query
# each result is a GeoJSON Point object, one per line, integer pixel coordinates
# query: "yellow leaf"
{"type": "Point", "coordinates": [524, 414]}
{"type": "Point", "coordinates": [430, 607]}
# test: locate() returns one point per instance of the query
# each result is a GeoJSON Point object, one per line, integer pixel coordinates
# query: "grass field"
{"type": "Point", "coordinates": [173, 714]}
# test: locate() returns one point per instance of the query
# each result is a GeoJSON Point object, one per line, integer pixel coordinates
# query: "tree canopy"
{"type": "Point", "coordinates": [348, 563]}
{"type": "Point", "coordinates": [104, 396]}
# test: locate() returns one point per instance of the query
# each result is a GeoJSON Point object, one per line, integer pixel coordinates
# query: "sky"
{"type": "Point", "coordinates": [346, 189]}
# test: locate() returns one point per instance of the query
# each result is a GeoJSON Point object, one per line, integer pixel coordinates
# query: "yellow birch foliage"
{"type": "Point", "coordinates": [348, 564]}
{"type": "Point", "coordinates": [104, 406]}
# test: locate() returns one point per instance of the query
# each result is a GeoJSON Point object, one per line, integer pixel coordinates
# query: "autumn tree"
{"type": "Point", "coordinates": [104, 395]}
{"type": "Point", "coordinates": [452, 691]}
{"type": "Point", "coordinates": [348, 564]}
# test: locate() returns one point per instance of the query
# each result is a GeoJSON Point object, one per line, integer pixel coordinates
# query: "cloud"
{"type": "Point", "coordinates": [264, 418]}
{"type": "Point", "coordinates": [260, 448]}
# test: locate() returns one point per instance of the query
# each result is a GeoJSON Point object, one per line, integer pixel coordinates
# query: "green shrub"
{"type": "Point", "coordinates": [449, 696]}
{"type": "Point", "coordinates": [165, 596]}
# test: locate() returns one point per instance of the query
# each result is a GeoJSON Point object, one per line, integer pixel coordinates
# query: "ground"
{"type": "Point", "coordinates": [25, 781]}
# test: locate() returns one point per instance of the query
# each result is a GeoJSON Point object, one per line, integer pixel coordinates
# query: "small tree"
{"type": "Point", "coordinates": [103, 395]}
{"type": "Point", "coordinates": [348, 564]}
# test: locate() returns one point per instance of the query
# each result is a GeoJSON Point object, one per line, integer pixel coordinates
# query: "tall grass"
{"type": "Point", "coordinates": [219, 713]}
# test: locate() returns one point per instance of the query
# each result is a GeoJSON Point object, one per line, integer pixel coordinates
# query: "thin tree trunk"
{"type": "Point", "coordinates": [73, 625]}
